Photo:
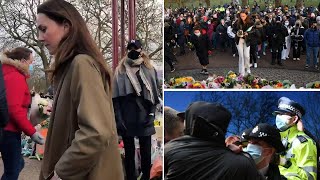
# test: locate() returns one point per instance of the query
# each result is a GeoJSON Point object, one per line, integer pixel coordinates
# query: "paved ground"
{"type": "Point", "coordinates": [222, 62]}
{"type": "Point", "coordinates": [31, 169]}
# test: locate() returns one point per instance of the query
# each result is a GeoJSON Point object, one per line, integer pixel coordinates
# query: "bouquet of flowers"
{"type": "Point", "coordinates": [232, 80]}
{"type": "Point", "coordinates": [315, 85]}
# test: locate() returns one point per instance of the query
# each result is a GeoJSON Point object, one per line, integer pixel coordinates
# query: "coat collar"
{"type": "Point", "coordinates": [21, 67]}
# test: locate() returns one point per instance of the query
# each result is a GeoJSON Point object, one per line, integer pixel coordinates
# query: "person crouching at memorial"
{"type": "Point", "coordinates": [264, 142]}
{"type": "Point", "coordinates": [202, 153]}
{"type": "Point", "coordinates": [202, 45]}
{"type": "Point", "coordinates": [135, 96]}
{"type": "Point", "coordinates": [242, 27]}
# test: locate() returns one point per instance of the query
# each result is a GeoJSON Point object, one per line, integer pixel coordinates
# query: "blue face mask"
{"type": "Point", "coordinates": [281, 122]}
{"type": "Point", "coordinates": [255, 151]}
{"type": "Point", "coordinates": [30, 68]}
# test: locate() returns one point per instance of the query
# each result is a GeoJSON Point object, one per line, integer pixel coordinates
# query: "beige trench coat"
{"type": "Point", "coordinates": [82, 141]}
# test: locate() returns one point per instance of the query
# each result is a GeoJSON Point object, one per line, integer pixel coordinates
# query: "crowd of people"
{"type": "Point", "coordinates": [196, 147]}
{"type": "Point", "coordinates": [249, 32]}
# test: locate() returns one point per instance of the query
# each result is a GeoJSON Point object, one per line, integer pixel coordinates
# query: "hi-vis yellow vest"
{"type": "Point", "coordinates": [301, 155]}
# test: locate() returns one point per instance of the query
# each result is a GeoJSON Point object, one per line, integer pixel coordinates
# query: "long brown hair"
{"type": "Point", "coordinates": [77, 41]}
{"type": "Point", "coordinates": [240, 20]}
{"type": "Point", "coordinates": [18, 53]}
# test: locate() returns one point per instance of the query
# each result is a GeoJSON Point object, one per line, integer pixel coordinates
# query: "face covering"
{"type": "Point", "coordinates": [197, 34]}
{"type": "Point", "coordinates": [30, 68]}
{"type": "Point", "coordinates": [133, 54]}
{"type": "Point", "coordinates": [282, 122]}
{"type": "Point", "coordinates": [255, 152]}
{"type": "Point", "coordinates": [209, 22]}
{"type": "Point", "coordinates": [286, 23]}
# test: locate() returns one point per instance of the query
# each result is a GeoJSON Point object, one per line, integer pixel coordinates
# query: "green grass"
{"type": "Point", "coordinates": [189, 3]}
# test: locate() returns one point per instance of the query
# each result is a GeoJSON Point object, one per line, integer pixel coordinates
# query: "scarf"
{"type": "Point", "coordinates": [127, 82]}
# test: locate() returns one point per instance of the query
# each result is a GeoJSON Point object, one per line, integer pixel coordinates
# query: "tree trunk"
{"type": "Point", "coordinates": [208, 3]}
{"type": "Point", "coordinates": [244, 2]}
{"type": "Point", "coordinates": [299, 4]}
{"type": "Point", "coordinates": [277, 3]}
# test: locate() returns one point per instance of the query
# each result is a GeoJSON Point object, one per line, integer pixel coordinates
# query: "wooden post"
{"type": "Point", "coordinates": [115, 40]}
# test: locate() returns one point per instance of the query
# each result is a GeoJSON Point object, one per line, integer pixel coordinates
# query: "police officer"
{"type": "Point", "coordinates": [264, 143]}
{"type": "Point", "coordinates": [300, 158]}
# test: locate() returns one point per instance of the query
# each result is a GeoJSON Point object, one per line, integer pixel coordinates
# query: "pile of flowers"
{"type": "Point", "coordinates": [232, 80]}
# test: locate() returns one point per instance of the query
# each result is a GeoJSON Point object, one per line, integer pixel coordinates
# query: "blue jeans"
{"type": "Point", "coordinates": [314, 51]}
{"type": "Point", "coordinates": [10, 149]}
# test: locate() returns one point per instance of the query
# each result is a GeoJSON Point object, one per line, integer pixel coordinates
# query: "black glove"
{"type": "Point", "coordinates": [149, 121]}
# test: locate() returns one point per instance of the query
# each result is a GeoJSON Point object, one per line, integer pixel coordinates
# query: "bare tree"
{"type": "Point", "coordinates": [299, 4]}
{"type": "Point", "coordinates": [310, 102]}
{"type": "Point", "coordinates": [277, 3]}
{"type": "Point", "coordinates": [18, 26]}
{"type": "Point", "coordinates": [18, 22]}
{"type": "Point", "coordinates": [247, 108]}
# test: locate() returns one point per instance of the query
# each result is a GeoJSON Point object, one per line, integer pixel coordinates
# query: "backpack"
{"type": "Point", "coordinates": [4, 113]}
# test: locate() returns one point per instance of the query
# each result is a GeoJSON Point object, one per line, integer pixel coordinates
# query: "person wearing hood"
{"type": "Point", "coordinates": [312, 38]}
{"type": "Point", "coordinates": [135, 96]}
{"type": "Point", "coordinates": [16, 68]}
{"type": "Point", "coordinates": [202, 153]}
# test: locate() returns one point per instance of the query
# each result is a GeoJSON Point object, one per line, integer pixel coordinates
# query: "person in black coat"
{"type": "Point", "coordinates": [201, 153]}
{"type": "Point", "coordinates": [255, 40]}
{"type": "Point", "coordinates": [135, 96]}
{"type": "Point", "coordinates": [222, 34]}
{"type": "Point", "coordinates": [203, 47]}
{"type": "Point", "coordinates": [278, 33]}
{"type": "Point", "coordinates": [297, 39]}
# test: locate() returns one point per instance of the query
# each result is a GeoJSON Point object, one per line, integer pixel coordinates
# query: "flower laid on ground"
{"type": "Point", "coordinates": [233, 80]}
{"type": "Point", "coordinates": [315, 85]}
{"type": "Point", "coordinates": [185, 82]}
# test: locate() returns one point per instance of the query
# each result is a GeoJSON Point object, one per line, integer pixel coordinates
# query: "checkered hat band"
{"type": "Point", "coordinates": [291, 108]}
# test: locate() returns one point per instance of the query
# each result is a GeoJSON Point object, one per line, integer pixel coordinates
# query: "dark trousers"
{"type": "Point", "coordinates": [168, 60]}
{"type": "Point", "coordinates": [145, 152]}
{"type": "Point", "coordinates": [233, 45]}
{"type": "Point", "coordinates": [276, 55]}
{"type": "Point", "coordinates": [10, 148]}
{"type": "Point", "coordinates": [253, 53]}
{"type": "Point", "coordinates": [296, 49]}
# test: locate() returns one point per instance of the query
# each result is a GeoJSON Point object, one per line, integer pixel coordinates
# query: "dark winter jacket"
{"type": "Point", "coordinates": [278, 34]}
{"type": "Point", "coordinates": [297, 34]}
{"type": "Point", "coordinates": [244, 28]}
{"type": "Point", "coordinates": [312, 37]}
{"type": "Point", "coordinates": [223, 30]}
{"type": "Point", "coordinates": [191, 158]}
{"type": "Point", "coordinates": [135, 114]}
{"type": "Point", "coordinates": [202, 45]}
